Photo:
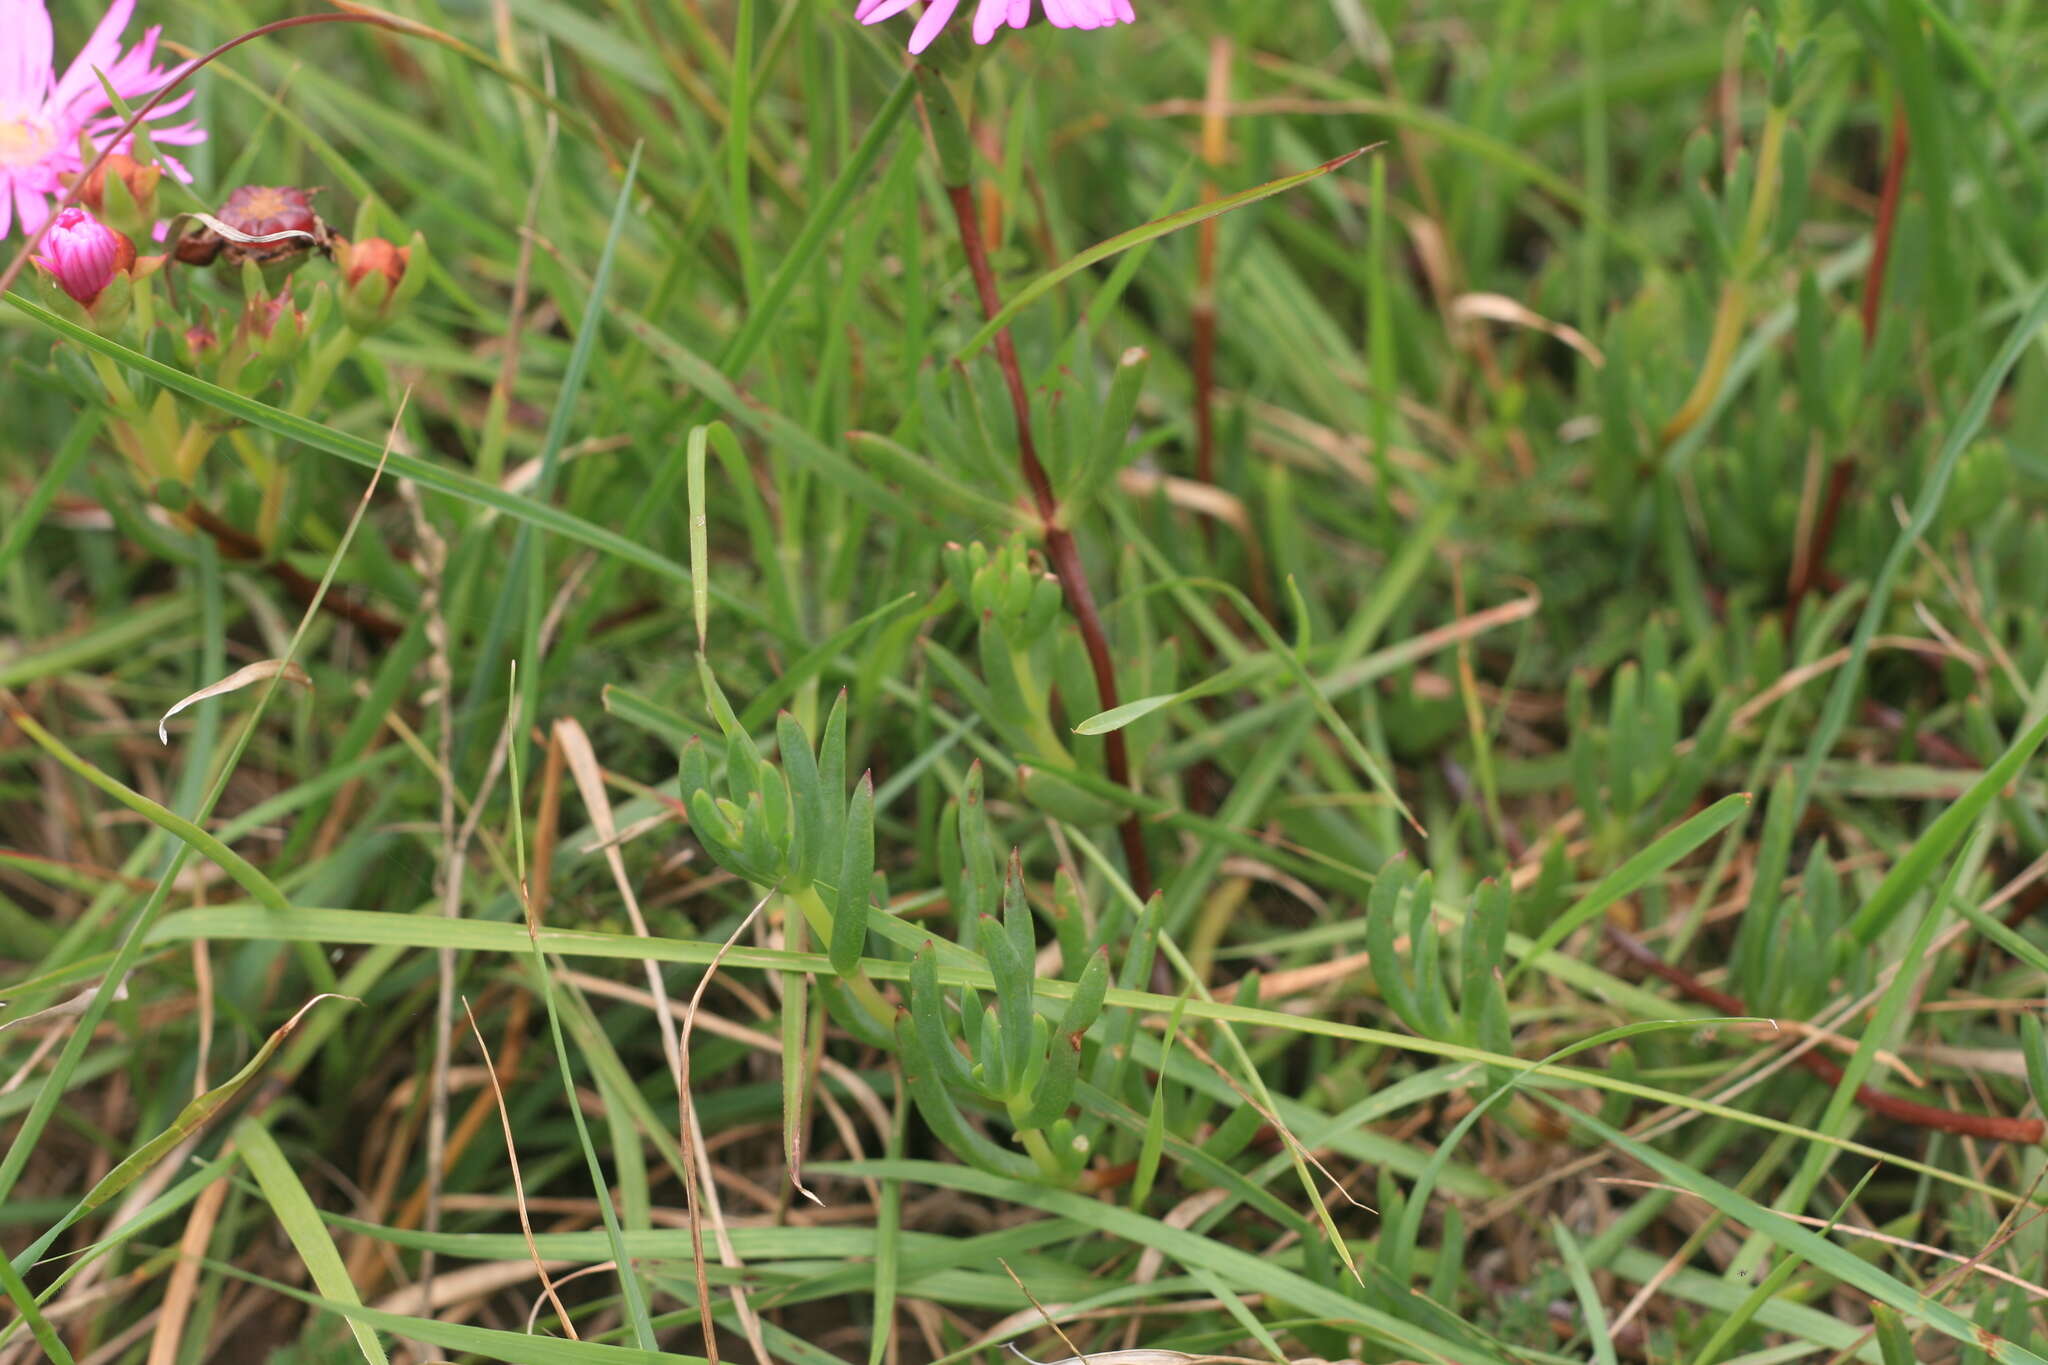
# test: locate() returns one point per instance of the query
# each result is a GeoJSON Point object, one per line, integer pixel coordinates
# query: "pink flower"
{"type": "Point", "coordinates": [42, 114]}
{"type": "Point", "coordinates": [990, 15]}
{"type": "Point", "coordinates": [81, 254]}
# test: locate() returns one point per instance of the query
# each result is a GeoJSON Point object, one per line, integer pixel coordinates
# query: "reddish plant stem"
{"type": "Point", "coordinates": [1060, 547]}
{"type": "Point", "coordinates": [1936, 746]}
{"type": "Point", "coordinates": [1989, 1127]}
{"type": "Point", "coordinates": [237, 545]}
{"type": "Point", "coordinates": [1808, 571]}
{"type": "Point", "coordinates": [1887, 222]}
{"type": "Point", "coordinates": [1843, 471]}
{"type": "Point", "coordinates": [1215, 150]}
{"type": "Point", "coordinates": [1203, 362]}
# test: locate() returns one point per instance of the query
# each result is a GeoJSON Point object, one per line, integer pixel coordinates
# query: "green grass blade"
{"type": "Point", "coordinates": [1138, 236]}
{"type": "Point", "coordinates": [1793, 1239]}
{"type": "Point", "coordinates": [293, 1208]}
{"type": "Point", "coordinates": [1634, 874]}
{"type": "Point", "coordinates": [1916, 869]}
{"type": "Point", "coordinates": [177, 826]}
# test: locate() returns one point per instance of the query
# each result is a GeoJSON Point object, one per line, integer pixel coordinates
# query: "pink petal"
{"type": "Point", "coordinates": [102, 50]}
{"type": "Point", "coordinates": [177, 135]}
{"type": "Point", "coordinates": [176, 167]}
{"type": "Point", "coordinates": [989, 16]}
{"type": "Point", "coordinates": [30, 207]}
{"type": "Point", "coordinates": [993, 15]}
{"type": "Point", "coordinates": [936, 14]}
{"type": "Point", "coordinates": [24, 56]}
{"type": "Point", "coordinates": [131, 74]}
{"type": "Point", "coordinates": [106, 125]}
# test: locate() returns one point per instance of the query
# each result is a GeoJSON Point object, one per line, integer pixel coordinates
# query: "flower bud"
{"type": "Point", "coordinates": [372, 254]}
{"type": "Point", "coordinates": [377, 279]}
{"type": "Point", "coordinates": [83, 255]}
{"type": "Point", "coordinates": [199, 343]}
{"type": "Point", "coordinates": [122, 191]}
{"type": "Point", "coordinates": [269, 330]}
{"type": "Point", "coordinates": [264, 313]}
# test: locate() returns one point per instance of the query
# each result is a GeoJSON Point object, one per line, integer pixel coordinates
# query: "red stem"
{"type": "Point", "coordinates": [1060, 546]}
{"type": "Point", "coordinates": [237, 545]}
{"type": "Point", "coordinates": [1887, 220]}
{"type": "Point", "coordinates": [1840, 475]}
{"type": "Point", "coordinates": [1843, 473]}
{"type": "Point", "coordinates": [1204, 363]}
{"type": "Point", "coordinates": [1990, 1127]}
{"type": "Point", "coordinates": [1215, 149]}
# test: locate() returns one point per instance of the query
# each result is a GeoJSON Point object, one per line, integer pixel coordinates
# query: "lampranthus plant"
{"type": "Point", "coordinates": [49, 123]}
{"type": "Point", "coordinates": [138, 179]}
{"type": "Point", "coordinates": [267, 343]}
{"type": "Point", "coordinates": [378, 278]}
{"type": "Point", "coordinates": [82, 254]}
{"type": "Point", "coordinates": [991, 16]}
{"type": "Point", "coordinates": [121, 192]}
{"type": "Point", "coordinates": [1457, 571]}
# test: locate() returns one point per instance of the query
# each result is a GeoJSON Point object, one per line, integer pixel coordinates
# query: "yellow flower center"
{"type": "Point", "coordinates": [25, 139]}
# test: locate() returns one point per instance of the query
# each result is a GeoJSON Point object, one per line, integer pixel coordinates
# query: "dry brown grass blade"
{"type": "Point", "coordinates": [583, 766]}
{"type": "Point", "coordinates": [202, 986]}
{"type": "Point", "coordinates": [1299, 980]}
{"type": "Point", "coordinates": [1048, 1318]}
{"type": "Point", "coordinates": [1795, 678]}
{"type": "Point", "coordinates": [1501, 308]}
{"type": "Point", "coordinates": [370, 1260]}
{"type": "Point", "coordinates": [1216, 504]}
{"type": "Point", "coordinates": [547, 827]}
{"type": "Point", "coordinates": [518, 1182]}
{"type": "Point", "coordinates": [183, 1284]}
{"type": "Point", "coordinates": [533, 1312]}
{"type": "Point", "coordinates": [454, 870]}
{"type": "Point", "coordinates": [697, 1165]}
{"type": "Point", "coordinates": [589, 777]}
{"type": "Point", "coordinates": [64, 1008]}
{"type": "Point", "coordinates": [850, 1080]}
{"type": "Point", "coordinates": [242, 677]}
{"type": "Point", "coordinates": [474, 1281]}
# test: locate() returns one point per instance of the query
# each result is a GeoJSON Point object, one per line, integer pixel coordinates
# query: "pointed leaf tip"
{"type": "Point", "coordinates": [259, 671]}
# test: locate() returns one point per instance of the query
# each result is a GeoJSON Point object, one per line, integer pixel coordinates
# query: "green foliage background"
{"type": "Point", "coordinates": [1512, 615]}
